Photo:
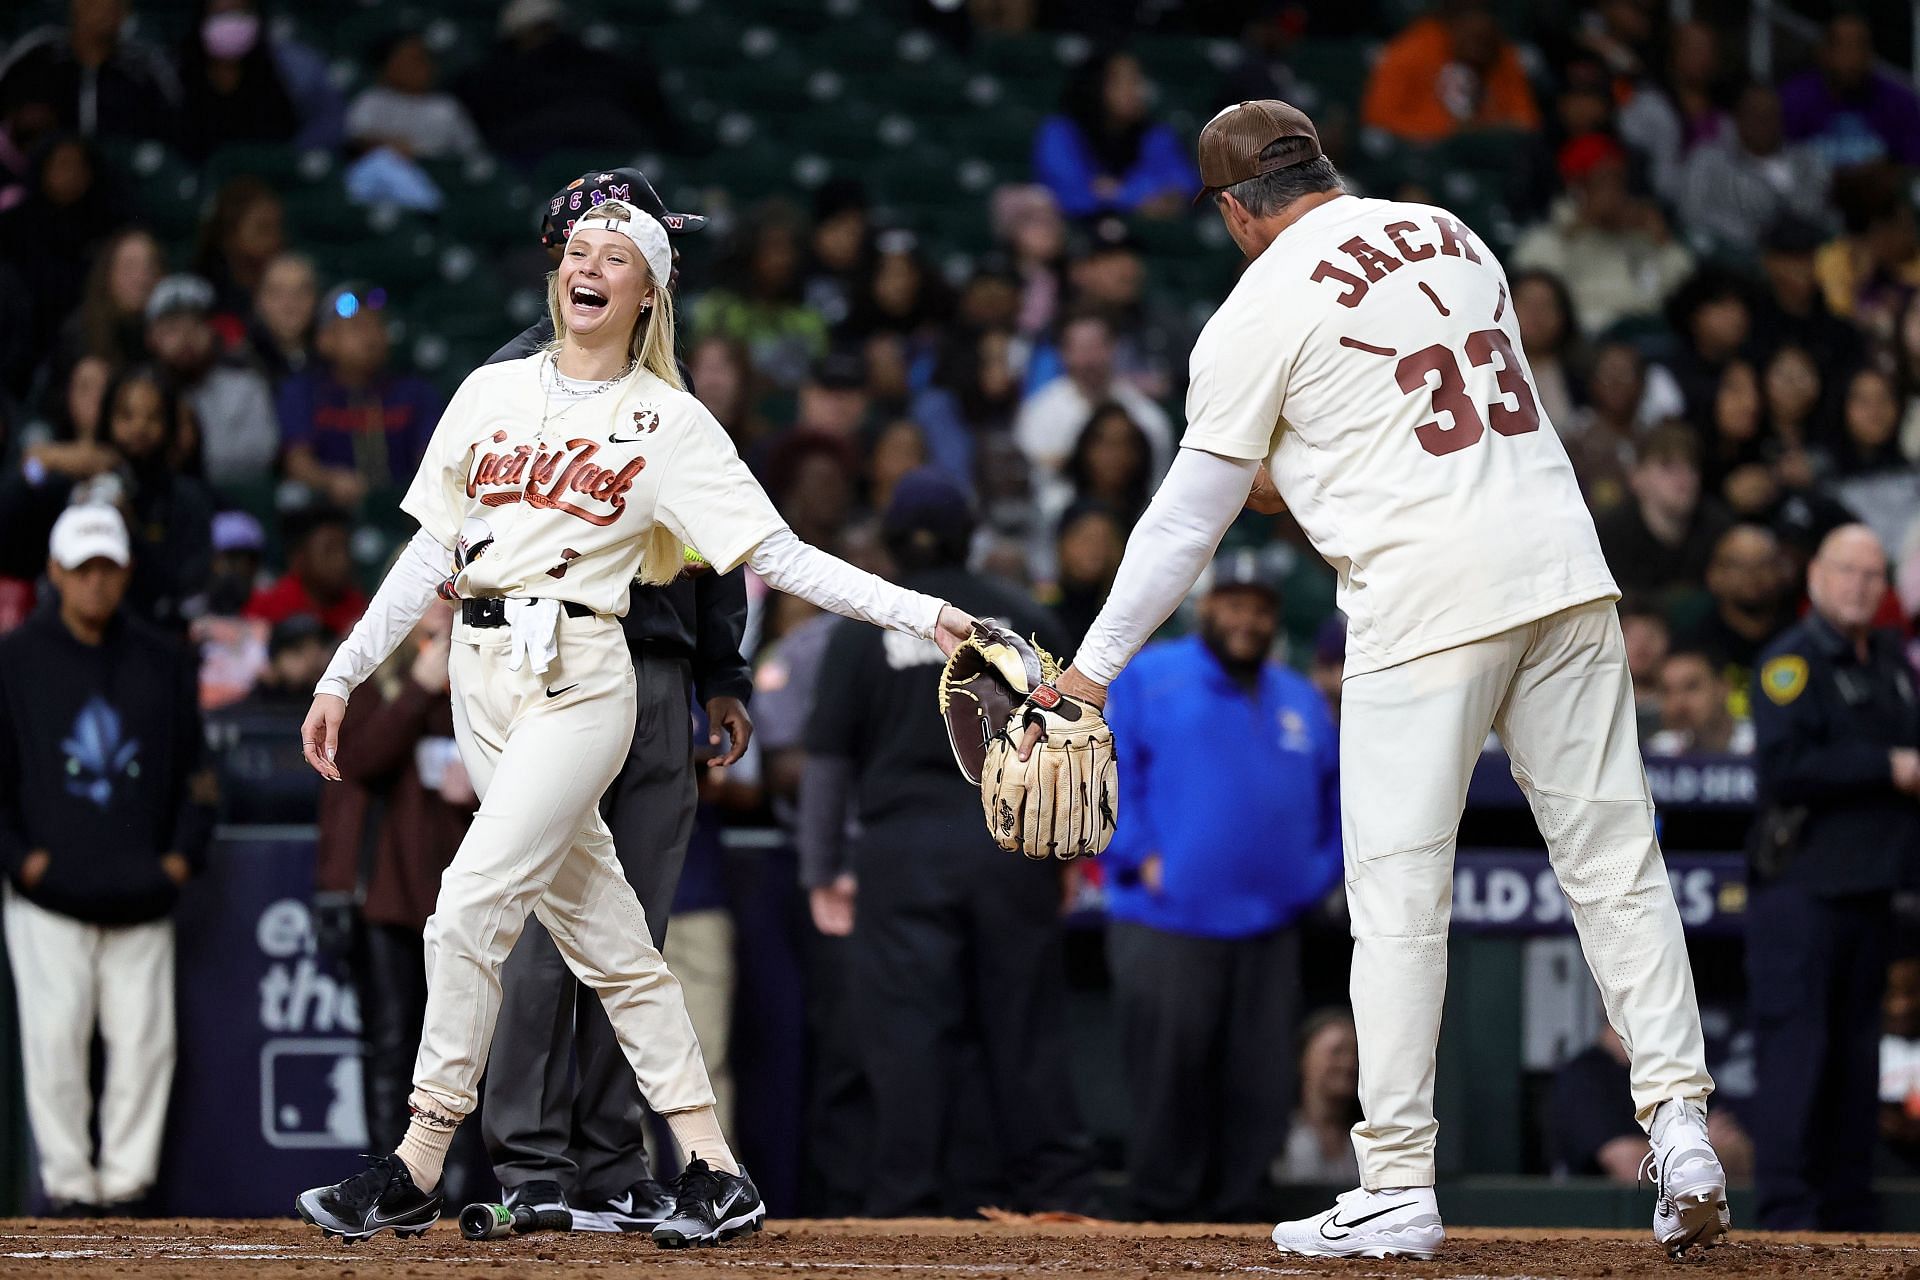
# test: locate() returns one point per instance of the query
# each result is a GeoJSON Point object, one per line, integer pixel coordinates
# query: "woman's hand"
{"type": "Point", "coordinates": [320, 734]}
{"type": "Point", "coordinates": [955, 625]}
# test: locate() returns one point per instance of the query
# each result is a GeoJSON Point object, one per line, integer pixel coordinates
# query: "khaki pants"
{"type": "Point", "coordinates": [1558, 693]}
{"type": "Point", "coordinates": [541, 750]}
{"type": "Point", "coordinates": [69, 976]}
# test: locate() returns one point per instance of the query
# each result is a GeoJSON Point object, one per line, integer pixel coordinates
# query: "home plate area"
{"type": "Point", "coordinates": [853, 1250]}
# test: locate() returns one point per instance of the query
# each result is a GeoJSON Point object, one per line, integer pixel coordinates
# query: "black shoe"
{"type": "Point", "coordinates": [549, 1204]}
{"type": "Point", "coordinates": [709, 1207]}
{"type": "Point", "coordinates": [381, 1197]}
{"type": "Point", "coordinates": [641, 1207]}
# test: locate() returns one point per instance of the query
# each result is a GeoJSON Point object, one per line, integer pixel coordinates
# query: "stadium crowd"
{"type": "Point", "coordinates": [1717, 278]}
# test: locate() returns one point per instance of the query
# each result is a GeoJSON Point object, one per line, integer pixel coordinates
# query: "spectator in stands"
{"type": "Point", "coordinates": [1051, 419]}
{"type": "Point", "coordinates": [1872, 477]}
{"type": "Point", "coordinates": [239, 556]}
{"type": "Point", "coordinates": [833, 401]}
{"type": "Point", "coordinates": [1100, 153]}
{"type": "Point", "coordinates": [231, 85]}
{"type": "Point", "coordinates": [974, 392]}
{"type": "Point", "coordinates": [97, 79]}
{"type": "Point", "coordinates": [407, 110]}
{"type": "Point", "coordinates": [841, 248]}
{"type": "Point", "coordinates": [1659, 543]}
{"type": "Point", "coordinates": [386, 833]}
{"type": "Point", "coordinates": [1450, 72]}
{"type": "Point", "coordinates": [1150, 345]}
{"type": "Point", "coordinates": [1319, 1148]}
{"type": "Point", "coordinates": [1795, 413]}
{"type": "Point", "coordinates": [1601, 438]}
{"type": "Point", "coordinates": [898, 448]}
{"type": "Point", "coordinates": [1112, 463]}
{"type": "Point", "coordinates": [1746, 576]}
{"type": "Point", "coordinates": [111, 320]}
{"type": "Point", "coordinates": [1900, 1061]}
{"type": "Point", "coordinates": [541, 83]}
{"type": "Point", "coordinates": [280, 334]}
{"type": "Point", "coordinates": [1544, 309]}
{"type": "Point", "coordinates": [350, 424]}
{"type": "Point", "coordinates": [1838, 725]}
{"type": "Point", "coordinates": [1084, 557]}
{"type": "Point", "coordinates": [811, 477]}
{"type": "Point", "coordinates": [1668, 124]}
{"type": "Point", "coordinates": [722, 377]}
{"type": "Point", "coordinates": [105, 811]}
{"type": "Point", "coordinates": [1648, 638]}
{"type": "Point", "coordinates": [1870, 271]}
{"type": "Point", "coordinates": [1847, 108]}
{"type": "Point", "coordinates": [1209, 875]}
{"type": "Point", "coordinates": [957, 945]}
{"type": "Point", "coordinates": [1735, 438]}
{"type": "Point", "coordinates": [901, 296]}
{"type": "Point", "coordinates": [65, 440]}
{"type": "Point", "coordinates": [298, 650]}
{"type": "Point", "coordinates": [243, 231]}
{"type": "Point", "coordinates": [1793, 309]}
{"type": "Point", "coordinates": [758, 299]}
{"type": "Point", "coordinates": [171, 514]}
{"type": "Point", "coordinates": [319, 576]}
{"type": "Point", "coordinates": [239, 436]}
{"type": "Point", "coordinates": [1694, 717]}
{"type": "Point", "coordinates": [1611, 247]}
{"type": "Point", "coordinates": [1709, 315]}
{"type": "Point", "coordinates": [1027, 222]}
{"type": "Point", "coordinates": [73, 204]}
{"type": "Point", "coordinates": [1735, 188]}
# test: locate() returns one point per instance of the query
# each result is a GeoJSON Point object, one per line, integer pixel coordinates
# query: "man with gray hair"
{"type": "Point", "coordinates": [1362, 357]}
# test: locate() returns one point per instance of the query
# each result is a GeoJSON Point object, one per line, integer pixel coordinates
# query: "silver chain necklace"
{"type": "Point", "coordinates": [551, 379]}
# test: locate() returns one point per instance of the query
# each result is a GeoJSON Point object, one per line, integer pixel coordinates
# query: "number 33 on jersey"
{"type": "Point", "coordinates": [1364, 357]}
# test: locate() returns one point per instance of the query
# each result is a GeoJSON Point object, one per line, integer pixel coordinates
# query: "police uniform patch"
{"type": "Point", "coordinates": [1784, 678]}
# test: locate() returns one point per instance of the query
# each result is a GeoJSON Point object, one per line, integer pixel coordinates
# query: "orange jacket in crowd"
{"type": "Point", "coordinates": [1408, 92]}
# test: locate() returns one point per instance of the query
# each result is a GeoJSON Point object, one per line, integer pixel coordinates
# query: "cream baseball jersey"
{"type": "Point", "coordinates": [1372, 359]}
{"type": "Point", "coordinates": [571, 507]}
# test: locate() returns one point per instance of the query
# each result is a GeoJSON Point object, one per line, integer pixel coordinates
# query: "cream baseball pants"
{"type": "Point", "coordinates": [1558, 693]}
{"type": "Point", "coordinates": [541, 750]}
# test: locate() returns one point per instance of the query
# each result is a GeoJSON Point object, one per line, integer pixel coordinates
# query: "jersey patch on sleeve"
{"type": "Point", "coordinates": [1784, 678]}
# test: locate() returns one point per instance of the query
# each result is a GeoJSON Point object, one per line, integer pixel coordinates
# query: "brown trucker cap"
{"type": "Point", "coordinates": [1231, 142]}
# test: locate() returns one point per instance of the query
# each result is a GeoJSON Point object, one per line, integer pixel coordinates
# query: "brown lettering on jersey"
{"type": "Point", "coordinates": [1356, 287]}
{"type": "Point", "coordinates": [1434, 298]}
{"type": "Point", "coordinates": [555, 473]}
{"type": "Point", "coordinates": [1397, 232]}
{"type": "Point", "coordinates": [1376, 263]}
{"type": "Point", "coordinates": [1358, 345]}
{"type": "Point", "coordinates": [1500, 307]}
{"type": "Point", "coordinates": [1454, 240]}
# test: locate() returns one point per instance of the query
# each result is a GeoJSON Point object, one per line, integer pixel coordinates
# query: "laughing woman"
{"type": "Point", "coordinates": [552, 483]}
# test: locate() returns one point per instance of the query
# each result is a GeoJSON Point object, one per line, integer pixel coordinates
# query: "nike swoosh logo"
{"type": "Point", "coordinates": [375, 1220]}
{"type": "Point", "coordinates": [554, 693]}
{"type": "Point", "coordinates": [613, 439]}
{"type": "Point", "coordinates": [1360, 1222]}
{"type": "Point", "coordinates": [624, 1204]}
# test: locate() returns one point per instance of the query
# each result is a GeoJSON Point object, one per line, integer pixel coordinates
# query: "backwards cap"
{"type": "Point", "coordinates": [642, 228]}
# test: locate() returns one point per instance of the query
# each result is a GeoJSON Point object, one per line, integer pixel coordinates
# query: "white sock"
{"type": "Point", "coordinates": [699, 1136]}
{"type": "Point", "coordinates": [423, 1148]}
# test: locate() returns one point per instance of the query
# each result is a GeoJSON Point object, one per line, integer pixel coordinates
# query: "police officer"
{"type": "Point", "coordinates": [571, 1145]}
{"type": "Point", "coordinates": [954, 942]}
{"type": "Point", "coordinates": [1838, 725]}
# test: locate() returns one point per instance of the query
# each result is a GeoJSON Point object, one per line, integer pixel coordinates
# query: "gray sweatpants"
{"type": "Point", "coordinates": [591, 1139]}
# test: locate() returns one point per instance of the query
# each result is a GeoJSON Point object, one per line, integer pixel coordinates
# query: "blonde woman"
{"type": "Point", "coordinates": [555, 481]}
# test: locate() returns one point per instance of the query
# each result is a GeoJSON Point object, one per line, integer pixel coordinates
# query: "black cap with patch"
{"type": "Point", "coordinates": [598, 186]}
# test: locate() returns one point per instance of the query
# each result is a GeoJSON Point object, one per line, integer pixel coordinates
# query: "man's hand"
{"type": "Point", "coordinates": [1073, 685]}
{"type": "Point", "coordinates": [832, 906]}
{"type": "Point", "coordinates": [1263, 498]}
{"type": "Point", "coordinates": [320, 734]}
{"type": "Point", "coordinates": [34, 869]}
{"type": "Point", "coordinates": [178, 869]}
{"type": "Point", "coordinates": [1906, 769]}
{"type": "Point", "coordinates": [955, 626]}
{"type": "Point", "coordinates": [728, 718]}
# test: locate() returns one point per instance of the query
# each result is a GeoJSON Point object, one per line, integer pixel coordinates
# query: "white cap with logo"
{"type": "Point", "coordinates": [90, 532]}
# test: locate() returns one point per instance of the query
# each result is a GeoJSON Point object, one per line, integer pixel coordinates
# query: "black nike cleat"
{"type": "Point", "coordinates": [641, 1207]}
{"type": "Point", "coordinates": [710, 1207]}
{"type": "Point", "coordinates": [381, 1197]}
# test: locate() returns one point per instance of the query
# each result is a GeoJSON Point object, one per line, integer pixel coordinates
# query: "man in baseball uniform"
{"type": "Point", "coordinates": [1370, 358]}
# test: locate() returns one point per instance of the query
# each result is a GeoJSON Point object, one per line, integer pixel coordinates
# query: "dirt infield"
{"type": "Point", "coordinates": [915, 1250]}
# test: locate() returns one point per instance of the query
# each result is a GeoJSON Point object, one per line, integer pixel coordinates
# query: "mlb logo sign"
{"type": "Point", "coordinates": [310, 1093]}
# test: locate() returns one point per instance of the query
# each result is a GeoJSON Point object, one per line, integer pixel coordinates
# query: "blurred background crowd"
{"type": "Point", "coordinates": [248, 247]}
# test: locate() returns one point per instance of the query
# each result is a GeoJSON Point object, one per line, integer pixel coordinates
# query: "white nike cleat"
{"type": "Point", "coordinates": [1692, 1205]}
{"type": "Point", "coordinates": [1368, 1224]}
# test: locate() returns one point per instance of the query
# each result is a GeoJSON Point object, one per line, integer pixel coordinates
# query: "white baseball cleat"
{"type": "Point", "coordinates": [1692, 1205]}
{"type": "Point", "coordinates": [1368, 1224]}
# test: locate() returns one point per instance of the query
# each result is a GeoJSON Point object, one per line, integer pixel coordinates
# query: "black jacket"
{"type": "Point", "coordinates": [1824, 725]}
{"type": "Point", "coordinates": [101, 765]}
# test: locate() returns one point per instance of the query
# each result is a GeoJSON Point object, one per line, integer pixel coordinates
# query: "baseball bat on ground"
{"type": "Point", "coordinates": [497, 1221]}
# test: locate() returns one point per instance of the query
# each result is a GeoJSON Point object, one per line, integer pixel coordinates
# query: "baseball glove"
{"type": "Point", "coordinates": [1060, 802]}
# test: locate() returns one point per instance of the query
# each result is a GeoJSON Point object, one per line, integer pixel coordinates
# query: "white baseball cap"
{"type": "Point", "coordinates": [89, 532]}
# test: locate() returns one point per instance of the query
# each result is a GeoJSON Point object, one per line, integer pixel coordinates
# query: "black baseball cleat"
{"type": "Point", "coordinates": [381, 1197]}
{"type": "Point", "coordinates": [710, 1207]}
{"type": "Point", "coordinates": [641, 1207]}
{"type": "Point", "coordinates": [549, 1204]}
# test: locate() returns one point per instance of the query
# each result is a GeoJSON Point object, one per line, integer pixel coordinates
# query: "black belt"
{"type": "Point", "coordinates": [492, 611]}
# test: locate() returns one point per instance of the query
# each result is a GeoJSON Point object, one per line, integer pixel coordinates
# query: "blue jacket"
{"type": "Point", "coordinates": [1065, 163]}
{"type": "Point", "coordinates": [1239, 796]}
